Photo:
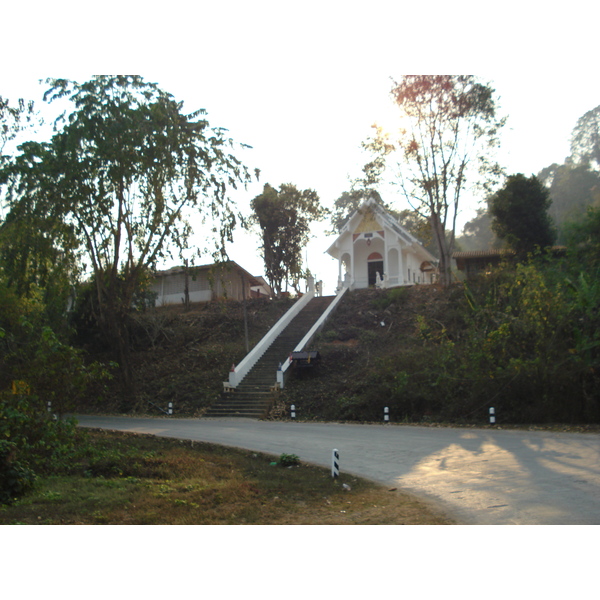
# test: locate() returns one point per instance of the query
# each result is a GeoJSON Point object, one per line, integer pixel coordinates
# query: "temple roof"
{"type": "Point", "coordinates": [371, 216]}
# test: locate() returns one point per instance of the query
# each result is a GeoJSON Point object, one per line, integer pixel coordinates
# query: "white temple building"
{"type": "Point", "coordinates": [374, 250]}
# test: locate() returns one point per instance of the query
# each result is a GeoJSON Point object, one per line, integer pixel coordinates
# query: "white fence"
{"type": "Point", "coordinates": [307, 339]}
{"type": "Point", "coordinates": [241, 370]}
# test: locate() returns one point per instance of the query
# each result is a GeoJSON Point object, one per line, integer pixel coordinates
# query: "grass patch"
{"type": "Point", "coordinates": [147, 480]}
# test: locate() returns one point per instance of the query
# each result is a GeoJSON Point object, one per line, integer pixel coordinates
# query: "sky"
{"type": "Point", "coordinates": [302, 83]}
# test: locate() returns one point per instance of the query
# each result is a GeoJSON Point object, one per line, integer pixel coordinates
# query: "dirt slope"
{"type": "Point", "coordinates": [183, 357]}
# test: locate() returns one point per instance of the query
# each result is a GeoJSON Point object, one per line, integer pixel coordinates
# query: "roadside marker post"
{"type": "Point", "coordinates": [335, 464]}
{"type": "Point", "coordinates": [492, 416]}
{"type": "Point", "coordinates": [293, 411]}
{"type": "Point", "coordinates": [386, 414]}
{"type": "Point", "coordinates": [170, 412]}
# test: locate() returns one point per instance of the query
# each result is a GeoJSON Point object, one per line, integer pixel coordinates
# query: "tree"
{"type": "Point", "coordinates": [125, 171]}
{"type": "Point", "coordinates": [13, 119]}
{"type": "Point", "coordinates": [585, 139]}
{"type": "Point", "coordinates": [449, 130]}
{"type": "Point", "coordinates": [583, 239]}
{"type": "Point", "coordinates": [34, 255]}
{"type": "Point", "coordinates": [477, 233]}
{"type": "Point", "coordinates": [520, 214]}
{"type": "Point", "coordinates": [575, 185]}
{"type": "Point", "coordinates": [573, 188]}
{"type": "Point", "coordinates": [284, 217]}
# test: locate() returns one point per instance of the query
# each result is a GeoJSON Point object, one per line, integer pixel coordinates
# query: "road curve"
{"type": "Point", "coordinates": [476, 476]}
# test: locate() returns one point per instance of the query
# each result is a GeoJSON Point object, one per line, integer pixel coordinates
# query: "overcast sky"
{"type": "Point", "coordinates": [302, 83]}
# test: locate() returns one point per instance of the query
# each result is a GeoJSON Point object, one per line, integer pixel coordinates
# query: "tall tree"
{"type": "Point", "coordinates": [583, 241]}
{"type": "Point", "coordinates": [284, 217]}
{"type": "Point", "coordinates": [13, 118]}
{"type": "Point", "coordinates": [126, 169]}
{"type": "Point", "coordinates": [520, 214]}
{"type": "Point", "coordinates": [575, 185]}
{"type": "Point", "coordinates": [34, 258]}
{"type": "Point", "coordinates": [448, 131]}
{"type": "Point", "coordinates": [585, 139]}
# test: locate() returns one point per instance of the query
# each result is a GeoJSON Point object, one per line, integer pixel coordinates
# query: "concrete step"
{"type": "Point", "coordinates": [253, 395]}
{"type": "Point", "coordinates": [235, 414]}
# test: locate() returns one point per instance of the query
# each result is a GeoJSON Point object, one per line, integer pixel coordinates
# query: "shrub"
{"type": "Point", "coordinates": [289, 460]}
{"type": "Point", "coordinates": [396, 296]}
{"type": "Point", "coordinates": [46, 445]}
{"type": "Point", "coordinates": [15, 478]}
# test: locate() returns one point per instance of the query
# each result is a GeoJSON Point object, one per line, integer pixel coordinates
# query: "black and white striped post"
{"type": "Point", "coordinates": [293, 411]}
{"type": "Point", "coordinates": [170, 411]}
{"type": "Point", "coordinates": [492, 416]}
{"type": "Point", "coordinates": [386, 414]}
{"type": "Point", "coordinates": [335, 464]}
{"type": "Point", "coordinates": [49, 406]}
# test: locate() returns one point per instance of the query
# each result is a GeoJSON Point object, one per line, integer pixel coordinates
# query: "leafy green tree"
{"type": "Point", "coordinates": [284, 217]}
{"type": "Point", "coordinates": [126, 170]}
{"type": "Point", "coordinates": [36, 251]}
{"type": "Point", "coordinates": [583, 240]}
{"type": "Point", "coordinates": [448, 131]}
{"type": "Point", "coordinates": [13, 119]}
{"type": "Point", "coordinates": [520, 214]}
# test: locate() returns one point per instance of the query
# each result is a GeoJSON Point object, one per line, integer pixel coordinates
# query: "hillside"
{"type": "Point", "coordinates": [368, 342]}
{"type": "Point", "coordinates": [429, 354]}
{"type": "Point", "coordinates": [183, 357]}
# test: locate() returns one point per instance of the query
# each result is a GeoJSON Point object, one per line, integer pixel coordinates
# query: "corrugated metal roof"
{"type": "Point", "coordinates": [224, 265]}
{"type": "Point", "coordinates": [483, 253]}
{"type": "Point", "coordinates": [493, 252]}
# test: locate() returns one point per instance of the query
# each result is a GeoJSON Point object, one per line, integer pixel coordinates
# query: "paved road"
{"type": "Point", "coordinates": [477, 476]}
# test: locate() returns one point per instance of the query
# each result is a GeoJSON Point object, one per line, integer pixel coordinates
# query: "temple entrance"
{"type": "Point", "coordinates": [375, 266]}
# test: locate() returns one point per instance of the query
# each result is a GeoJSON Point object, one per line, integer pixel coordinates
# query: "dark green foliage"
{"type": "Point", "coordinates": [525, 340]}
{"type": "Point", "coordinates": [520, 214]}
{"type": "Point", "coordinates": [44, 443]}
{"type": "Point", "coordinates": [124, 173]}
{"type": "Point", "coordinates": [15, 479]}
{"type": "Point", "coordinates": [289, 460]}
{"type": "Point", "coordinates": [583, 239]}
{"type": "Point", "coordinates": [284, 217]}
{"type": "Point", "coordinates": [36, 368]}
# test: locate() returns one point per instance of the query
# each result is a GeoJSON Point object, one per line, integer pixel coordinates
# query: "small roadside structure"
{"type": "Point", "coordinates": [477, 262]}
{"type": "Point", "coordinates": [263, 290]}
{"type": "Point", "coordinates": [483, 262]}
{"type": "Point", "coordinates": [374, 250]}
{"type": "Point", "coordinates": [205, 283]}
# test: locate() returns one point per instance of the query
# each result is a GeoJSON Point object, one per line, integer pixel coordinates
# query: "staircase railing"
{"type": "Point", "coordinates": [308, 338]}
{"type": "Point", "coordinates": [243, 368]}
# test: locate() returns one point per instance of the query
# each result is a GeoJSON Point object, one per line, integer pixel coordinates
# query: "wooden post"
{"type": "Point", "coordinates": [245, 313]}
